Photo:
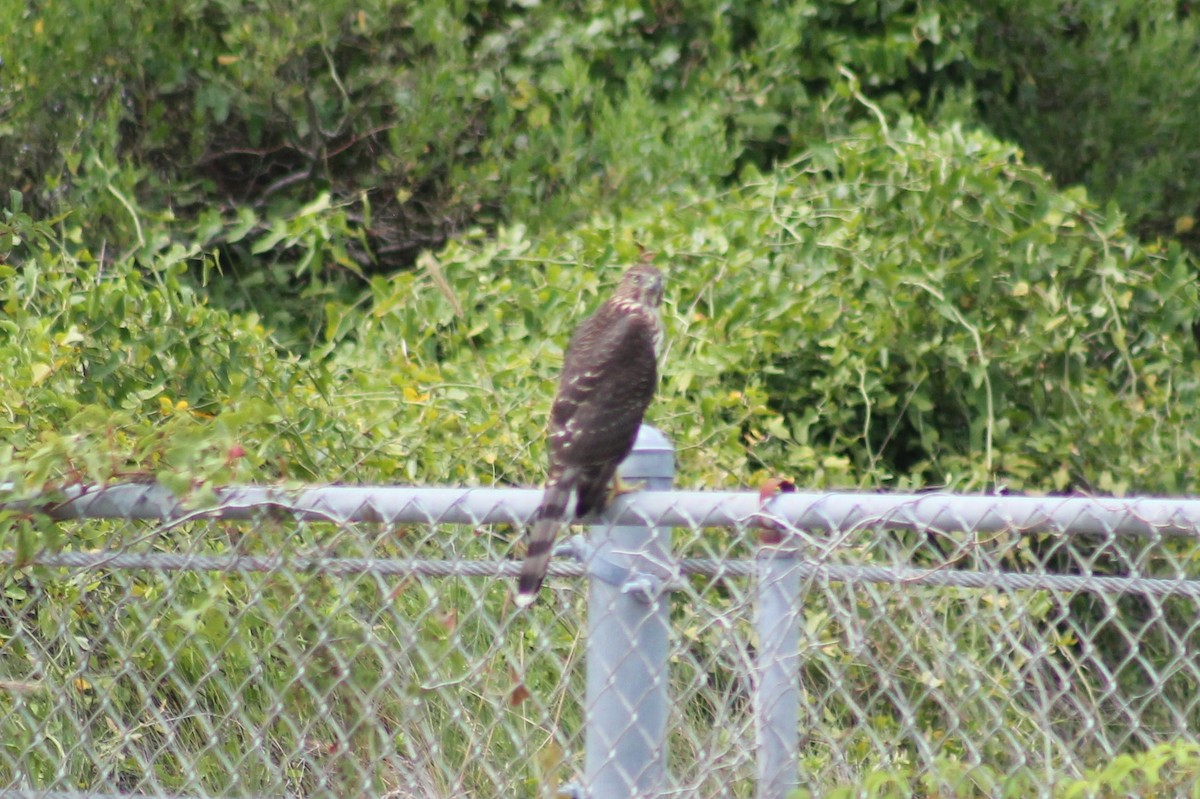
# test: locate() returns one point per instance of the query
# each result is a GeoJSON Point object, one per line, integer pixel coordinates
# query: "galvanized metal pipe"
{"type": "Point", "coordinates": [626, 704]}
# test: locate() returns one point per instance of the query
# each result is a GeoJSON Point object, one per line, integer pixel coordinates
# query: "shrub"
{"type": "Point", "coordinates": [905, 310]}
{"type": "Point", "coordinates": [899, 309]}
{"type": "Point", "coordinates": [1105, 95]}
{"type": "Point", "coordinates": [420, 119]}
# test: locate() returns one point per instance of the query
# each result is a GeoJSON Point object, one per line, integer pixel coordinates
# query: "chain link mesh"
{"type": "Point", "coordinates": [284, 654]}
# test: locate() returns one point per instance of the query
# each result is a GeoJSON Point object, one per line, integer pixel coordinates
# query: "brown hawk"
{"type": "Point", "coordinates": [608, 378]}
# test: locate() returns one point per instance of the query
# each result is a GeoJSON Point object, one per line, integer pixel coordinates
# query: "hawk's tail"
{"type": "Point", "coordinates": [549, 517]}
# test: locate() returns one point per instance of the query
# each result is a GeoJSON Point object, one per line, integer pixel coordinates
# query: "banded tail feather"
{"type": "Point", "coordinates": [549, 518]}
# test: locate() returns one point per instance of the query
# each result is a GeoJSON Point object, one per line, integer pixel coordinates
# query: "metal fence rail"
{"type": "Point", "coordinates": [349, 642]}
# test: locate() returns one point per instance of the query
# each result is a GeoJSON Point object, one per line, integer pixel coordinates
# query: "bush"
{"type": "Point", "coordinates": [406, 125]}
{"type": "Point", "coordinates": [421, 119]}
{"type": "Point", "coordinates": [904, 309]}
{"type": "Point", "coordinates": [124, 372]}
{"type": "Point", "coordinates": [1104, 94]}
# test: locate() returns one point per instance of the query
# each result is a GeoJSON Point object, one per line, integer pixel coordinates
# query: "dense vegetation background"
{"type": "Point", "coordinates": [334, 236]}
{"type": "Point", "coordinates": [339, 235]}
{"type": "Point", "coordinates": [908, 244]}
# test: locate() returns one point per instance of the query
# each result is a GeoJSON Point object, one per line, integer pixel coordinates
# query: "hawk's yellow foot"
{"type": "Point", "coordinates": [620, 487]}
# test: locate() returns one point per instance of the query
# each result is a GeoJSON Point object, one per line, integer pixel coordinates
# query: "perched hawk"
{"type": "Point", "coordinates": [607, 381]}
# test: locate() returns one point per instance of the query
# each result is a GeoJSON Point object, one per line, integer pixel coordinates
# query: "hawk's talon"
{"type": "Point", "coordinates": [619, 487]}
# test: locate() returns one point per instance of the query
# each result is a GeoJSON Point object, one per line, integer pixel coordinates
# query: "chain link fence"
{"type": "Point", "coordinates": [349, 642]}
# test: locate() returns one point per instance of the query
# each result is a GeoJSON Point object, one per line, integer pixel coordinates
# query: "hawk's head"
{"type": "Point", "coordinates": [642, 284]}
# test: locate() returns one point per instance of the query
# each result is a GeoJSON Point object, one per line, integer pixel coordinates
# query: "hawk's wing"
{"type": "Point", "coordinates": [607, 382]}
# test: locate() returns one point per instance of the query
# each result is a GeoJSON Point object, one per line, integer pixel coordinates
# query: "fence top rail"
{"type": "Point", "coordinates": [812, 511]}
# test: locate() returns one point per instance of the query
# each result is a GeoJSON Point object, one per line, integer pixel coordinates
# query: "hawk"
{"type": "Point", "coordinates": [607, 381]}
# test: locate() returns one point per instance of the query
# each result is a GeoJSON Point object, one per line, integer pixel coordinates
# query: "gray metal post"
{"type": "Point", "coordinates": [777, 692]}
{"type": "Point", "coordinates": [628, 626]}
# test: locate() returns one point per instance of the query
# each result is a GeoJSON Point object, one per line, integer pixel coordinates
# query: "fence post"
{"type": "Point", "coordinates": [628, 626]}
{"type": "Point", "coordinates": [777, 689]}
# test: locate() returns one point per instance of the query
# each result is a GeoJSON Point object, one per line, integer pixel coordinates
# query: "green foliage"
{"type": "Point", "coordinates": [907, 310]}
{"type": "Point", "coordinates": [1105, 94]}
{"type": "Point", "coordinates": [1169, 769]}
{"type": "Point", "coordinates": [420, 118]}
{"type": "Point", "coordinates": [125, 372]}
{"type": "Point", "coordinates": [898, 308]}
{"type": "Point", "coordinates": [398, 126]}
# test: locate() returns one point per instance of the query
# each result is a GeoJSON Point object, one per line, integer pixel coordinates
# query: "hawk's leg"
{"type": "Point", "coordinates": [599, 495]}
{"type": "Point", "coordinates": [593, 489]}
